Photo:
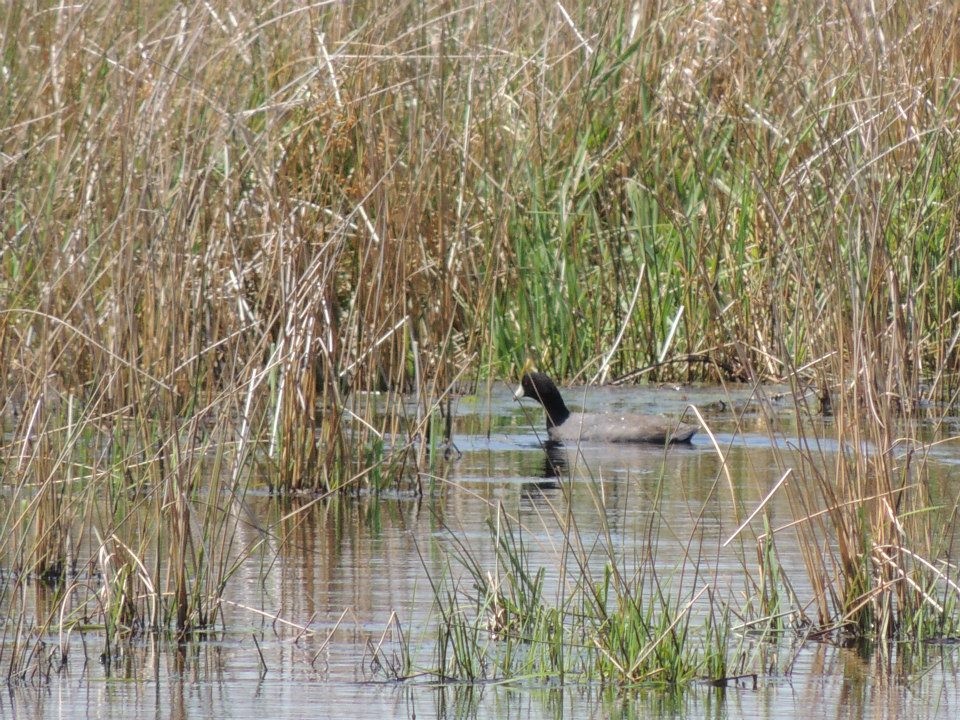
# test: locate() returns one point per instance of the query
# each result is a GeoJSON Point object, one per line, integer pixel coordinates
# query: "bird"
{"type": "Point", "coordinates": [565, 426]}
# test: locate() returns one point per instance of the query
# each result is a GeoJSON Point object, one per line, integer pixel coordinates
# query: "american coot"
{"type": "Point", "coordinates": [566, 426]}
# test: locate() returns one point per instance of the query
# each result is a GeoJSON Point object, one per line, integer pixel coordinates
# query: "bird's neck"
{"type": "Point", "coordinates": [555, 408]}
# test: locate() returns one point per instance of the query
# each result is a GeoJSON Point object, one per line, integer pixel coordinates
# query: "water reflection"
{"type": "Point", "coordinates": [315, 620]}
{"type": "Point", "coordinates": [221, 679]}
{"type": "Point", "coordinates": [554, 471]}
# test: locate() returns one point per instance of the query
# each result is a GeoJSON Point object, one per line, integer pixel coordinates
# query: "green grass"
{"type": "Point", "coordinates": [607, 619]}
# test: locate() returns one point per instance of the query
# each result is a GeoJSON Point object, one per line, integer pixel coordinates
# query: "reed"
{"type": "Point", "coordinates": [241, 224]}
{"type": "Point", "coordinates": [226, 228]}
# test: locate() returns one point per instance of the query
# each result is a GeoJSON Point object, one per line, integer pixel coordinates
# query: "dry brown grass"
{"type": "Point", "coordinates": [221, 222]}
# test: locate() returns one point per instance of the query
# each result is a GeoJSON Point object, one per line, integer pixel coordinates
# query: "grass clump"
{"type": "Point", "coordinates": [598, 622]}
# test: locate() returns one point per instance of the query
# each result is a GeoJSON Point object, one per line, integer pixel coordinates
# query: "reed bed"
{"type": "Point", "coordinates": [223, 226]}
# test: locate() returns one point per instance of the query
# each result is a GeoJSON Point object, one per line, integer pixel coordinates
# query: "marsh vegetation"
{"type": "Point", "coordinates": [272, 249]}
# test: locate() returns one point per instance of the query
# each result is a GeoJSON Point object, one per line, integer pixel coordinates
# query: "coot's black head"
{"type": "Point", "coordinates": [541, 388]}
{"type": "Point", "coordinates": [535, 385]}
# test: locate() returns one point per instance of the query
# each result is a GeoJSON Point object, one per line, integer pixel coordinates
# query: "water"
{"type": "Point", "coordinates": [314, 620]}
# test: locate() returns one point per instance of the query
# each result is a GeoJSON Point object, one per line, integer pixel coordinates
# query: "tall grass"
{"type": "Point", "coordinates": [222, 224]}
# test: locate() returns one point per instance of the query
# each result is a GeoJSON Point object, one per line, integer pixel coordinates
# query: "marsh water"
{"type": "Point", "coordinates": [316, 623]}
